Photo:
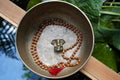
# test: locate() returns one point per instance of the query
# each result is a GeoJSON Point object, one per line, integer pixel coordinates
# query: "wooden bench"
{"type": "Point", "coordinates": [94, 69]}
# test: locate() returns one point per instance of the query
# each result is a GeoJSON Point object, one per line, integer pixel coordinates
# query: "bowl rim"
{"type": "Point", "coordinates": [93, 39]}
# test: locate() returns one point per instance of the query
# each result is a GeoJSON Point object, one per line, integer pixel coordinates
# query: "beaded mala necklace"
{"type": "Point", "coordinates": [56, 68]}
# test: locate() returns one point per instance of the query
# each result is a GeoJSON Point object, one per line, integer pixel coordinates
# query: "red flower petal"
{"type": "Point", "coordinates": [54, 71]}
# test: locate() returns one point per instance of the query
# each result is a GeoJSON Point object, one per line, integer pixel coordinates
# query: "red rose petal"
{"type": "Point", "coordinates": [54, 71]}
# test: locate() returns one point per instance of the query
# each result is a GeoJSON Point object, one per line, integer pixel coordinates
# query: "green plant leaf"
{"type": "Point", "coordinates": [106, 55]}
{"type": "Point", "coordinates": [90, 7]}
{"type": "Point", "coordinates": [32, 3]}
{"type": "Point", "coordinates": [111, 10]}
{"type": "Point", "coordinates": [110, 29]}
{"type": "Point", "coordinates": [110, 13]}
{"type": "Point", "coordinates": [109, 25]}
{"type": "Point", "coordinates": [114, 3]}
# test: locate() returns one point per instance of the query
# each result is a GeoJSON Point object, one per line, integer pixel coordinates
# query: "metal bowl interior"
{"type": "Point", "coordinates": [53, 9]}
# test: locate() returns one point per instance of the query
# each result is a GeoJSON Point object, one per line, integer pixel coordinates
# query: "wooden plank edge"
{"type": "Point", "coordinates": [8, 19]}
{"type": "Point", "coordinates": [11, 12]}
{"type": "Point", "coordinates": [98, 71]}
{"type": "Point", "coordinates": [88, 74]}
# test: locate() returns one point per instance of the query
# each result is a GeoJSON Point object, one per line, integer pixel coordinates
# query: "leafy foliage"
{"type": "Point", "coordinates": [110, 24]}
{"type": "Point", "coordinates": [90, 7]}
{"type": "Point", "coordinates": [105, 54]}
{"type": "Point", "coordinates": [32, 3]}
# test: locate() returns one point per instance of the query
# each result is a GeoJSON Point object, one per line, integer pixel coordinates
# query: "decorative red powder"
{"type": "Point", "coordinates": [54, 70]}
